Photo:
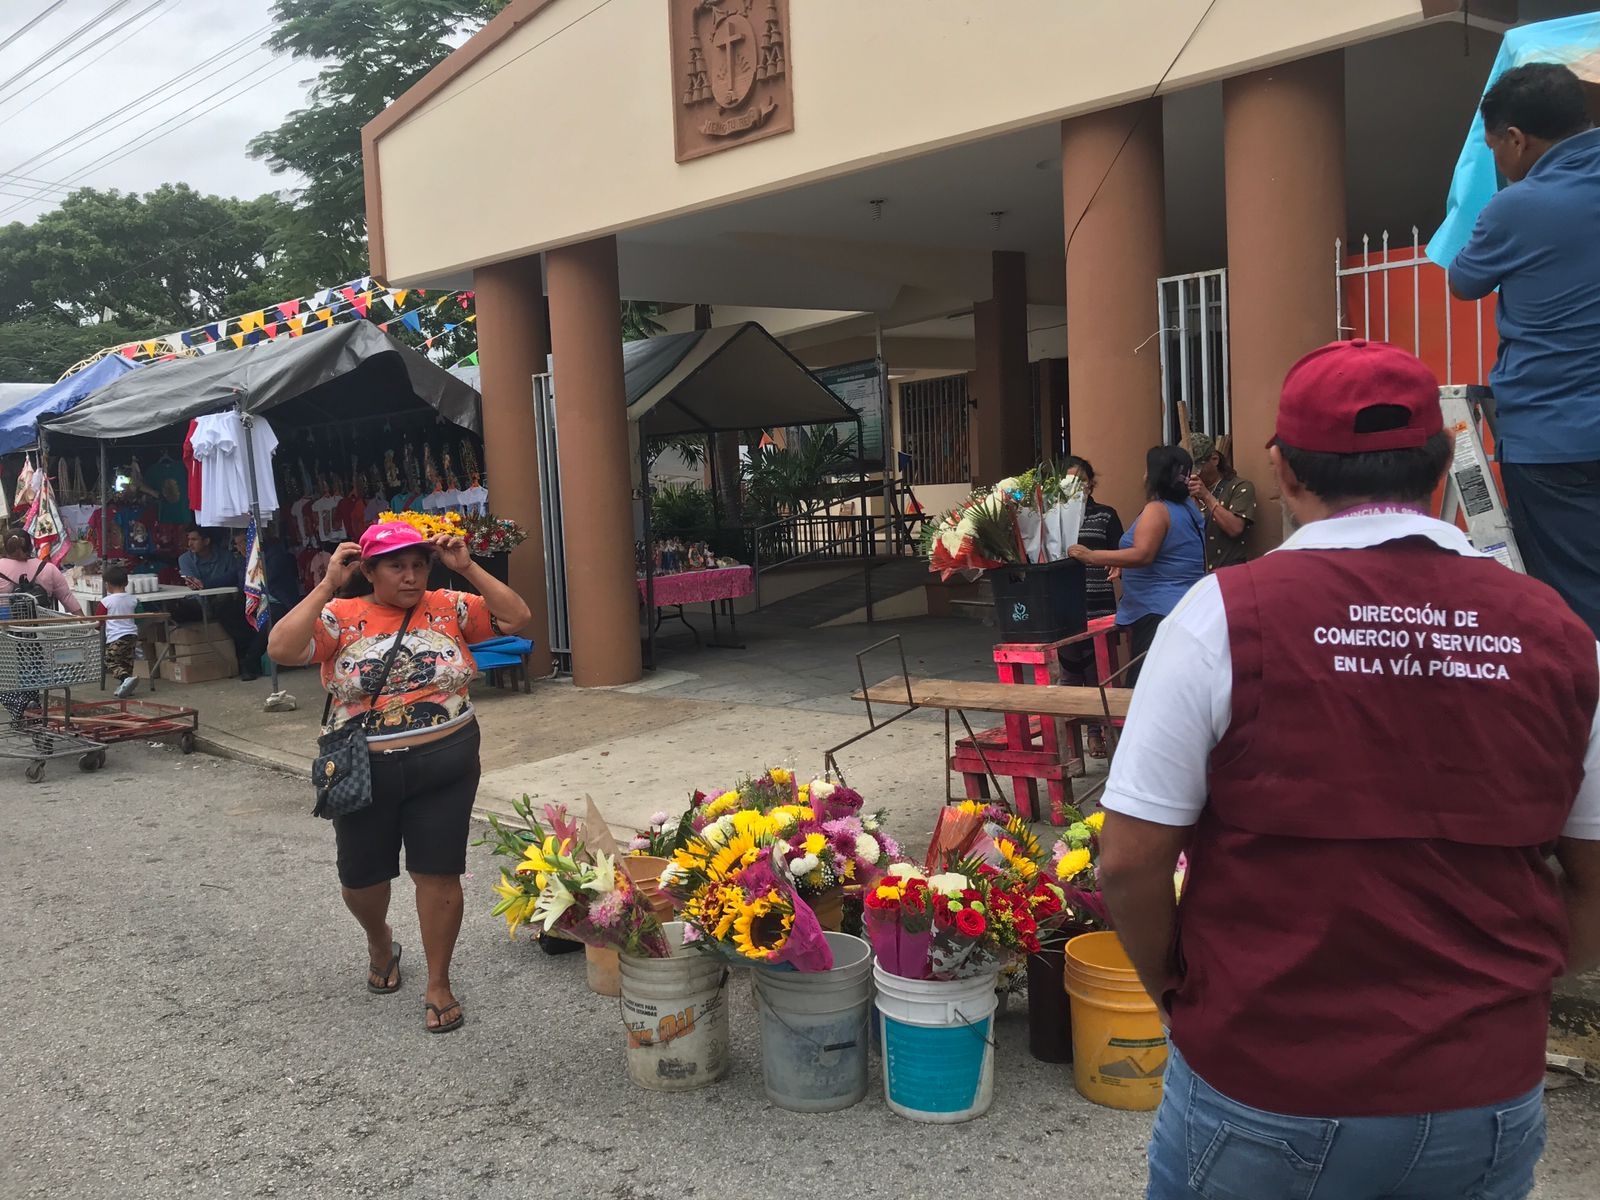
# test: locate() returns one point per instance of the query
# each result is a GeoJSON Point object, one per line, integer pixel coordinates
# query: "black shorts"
{"type": "Point", "coordinates": [422, 798]}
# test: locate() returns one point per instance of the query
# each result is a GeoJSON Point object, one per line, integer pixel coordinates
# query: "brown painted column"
{"type": "Point", "coordinates": [592, 432]}
{"type": "Point", "coordinates": [1114, 258]}
{"type": "Point", "coordinates": [513, 339]}
{"type": "Point", "coordinates": [1283, 142]}
{"type": "Point", "coordinates": [1002, 433]}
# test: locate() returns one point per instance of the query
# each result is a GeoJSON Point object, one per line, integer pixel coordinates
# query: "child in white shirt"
{"type": "Point", "coordinates": [122, 636]}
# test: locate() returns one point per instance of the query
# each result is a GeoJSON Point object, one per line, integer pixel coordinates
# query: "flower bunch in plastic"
{"type": "Point", "coordinates": [737, 895]}
{"type": "Point", "coordinates": [559, 887]}
{"type": "Point", "coordinates": [897, 913]}
{"type": "Point", "coordinates": [1074, 865]}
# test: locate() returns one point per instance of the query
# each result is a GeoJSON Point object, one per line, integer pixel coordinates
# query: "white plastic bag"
{"type": "Point", "coordinates": [1062, 523]}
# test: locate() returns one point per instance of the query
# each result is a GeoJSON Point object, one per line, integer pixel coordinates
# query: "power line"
{"type": "Point", "coordinates": [148, 137]}
{"type": "Point", "coordinates": [98, 130]}
{"type": "Point", "coordinates": [30, 24]}
{"type": "Point", "coordinates": [115, 35]}
{"type": "Point", "coordinates": [66, 41]}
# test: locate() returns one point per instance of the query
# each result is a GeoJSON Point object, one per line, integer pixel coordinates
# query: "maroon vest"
{"type": "Point", "coordinates": [1369, 927]}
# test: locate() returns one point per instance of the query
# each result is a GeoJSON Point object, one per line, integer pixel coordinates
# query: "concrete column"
{"type": "Point", "coordinates": [1113, 193]}
{"type": "Point", "coordinates": [513, 340]}
{"type": "Point", "coordinates": [1284, 148]}
{"type": "Point", "coordinates": [1002, 433]}
{"type": "Point", "coordinates": [592, 430]}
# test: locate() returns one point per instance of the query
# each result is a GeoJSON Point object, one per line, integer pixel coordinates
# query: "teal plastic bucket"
{"type": "Point", "coordinates": [938, 1046]}
{"type": "Point", "coordinates": [814, 1030]}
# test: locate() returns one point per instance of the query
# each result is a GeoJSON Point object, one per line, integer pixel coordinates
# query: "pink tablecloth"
{"type": "Point", "coordinates": [702, 587]}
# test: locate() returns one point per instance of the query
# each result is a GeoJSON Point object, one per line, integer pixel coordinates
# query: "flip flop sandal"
{"type": "Point", "coordinates": [393, 968]}
{"type": "Point", "coordinates": [443, 1026]}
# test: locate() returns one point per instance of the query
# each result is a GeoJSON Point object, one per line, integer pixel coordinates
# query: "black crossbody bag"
{"type": "Point", "coordinates": [342, 773]}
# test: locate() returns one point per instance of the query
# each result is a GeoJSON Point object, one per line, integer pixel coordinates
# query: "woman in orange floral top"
{"type": "Point", "coordinates": [422, 734]}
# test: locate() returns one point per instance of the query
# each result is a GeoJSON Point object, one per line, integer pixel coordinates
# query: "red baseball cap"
{"type": "Point", "coordinates": [390, 537]}
{"type": "Point", "coordinates": [1327, 390]}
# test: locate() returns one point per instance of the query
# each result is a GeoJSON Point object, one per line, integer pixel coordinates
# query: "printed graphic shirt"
{"type": "Point", "coordinates": [427, 686]}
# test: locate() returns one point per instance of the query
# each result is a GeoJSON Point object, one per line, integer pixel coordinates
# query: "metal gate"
{"type": "Point", "coordinates": [1194, 353]}
{"type": "Point", "coordinates": [1393, 292]}
{"type": "Point", "coordinates": [550, 525]}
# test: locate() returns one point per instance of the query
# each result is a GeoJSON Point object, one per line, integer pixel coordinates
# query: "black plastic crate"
{"type": "Point", "coordinates": [1039, 602]}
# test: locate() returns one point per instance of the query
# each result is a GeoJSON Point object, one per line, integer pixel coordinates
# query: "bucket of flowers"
{"type": "Point", "coordinates": [488, 535]}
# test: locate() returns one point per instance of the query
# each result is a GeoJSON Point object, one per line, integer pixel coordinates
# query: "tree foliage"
{"type": "Point", "coordinates": [372, 51]}
{"type": "Point", "coordinates": [109, 267]}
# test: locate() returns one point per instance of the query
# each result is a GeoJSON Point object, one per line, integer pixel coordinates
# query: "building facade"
{"type": "Point", "coordinates": [989, 191]}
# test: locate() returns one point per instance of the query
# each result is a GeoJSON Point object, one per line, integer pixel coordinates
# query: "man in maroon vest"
{"type": "Point", "coordinates": [1368, 742]}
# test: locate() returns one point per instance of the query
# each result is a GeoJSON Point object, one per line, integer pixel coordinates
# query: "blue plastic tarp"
{"type": "Point", "coordinates": [19, 425]}
{"type": "Point", "coordinates": [1569, 40]}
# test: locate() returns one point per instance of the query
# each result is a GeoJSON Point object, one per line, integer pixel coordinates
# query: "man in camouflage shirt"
{"type": "Point", "coordinates": [1228, 502]}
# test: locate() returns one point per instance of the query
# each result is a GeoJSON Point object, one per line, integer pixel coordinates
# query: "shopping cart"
{"type": "Point", "coordinates": [41, 654]}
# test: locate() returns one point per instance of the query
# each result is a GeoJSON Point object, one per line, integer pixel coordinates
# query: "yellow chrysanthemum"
{"type": "Point", "coordinates": [1096, 821]}
{"type": "Point", "coordinates": [721, 806]}
{"type": "Point", "coordinates": [888, 891]}
{"type": "Point", "coordinates": [780, 776]}
{"type": "Point", "coordinates": [972, 807]}
{"type": "Point", "coordinates": [1073, 864]}
{"type": "Point", "coordinates": [815, 843]}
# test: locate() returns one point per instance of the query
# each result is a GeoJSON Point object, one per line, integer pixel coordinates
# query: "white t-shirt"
{"type": "Point", "coordinates": [475, 501]}
{"type": "Point", "coordinates": [1184, 702]}
{"type": "Point", "coordinates": [219, 448]}
{"type": "Point", "coordinates": [328, 527]}
{"type": "Point", "coordinates": [120, 604]}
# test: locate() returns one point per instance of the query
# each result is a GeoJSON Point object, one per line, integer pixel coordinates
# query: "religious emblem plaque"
{"type": "Point", "coordinates": [730, 73]}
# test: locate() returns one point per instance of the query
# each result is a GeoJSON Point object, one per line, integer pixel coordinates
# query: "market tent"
{"type": "Point", "coordinates": [18, 424]}
{"type": "Point", "coordinates": [348, 371]}
{"type": "Point", "coordinates": [712, 380]}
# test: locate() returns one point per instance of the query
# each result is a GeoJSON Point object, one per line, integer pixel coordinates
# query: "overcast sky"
{"type": "Point", "coordinates": [223, 84]}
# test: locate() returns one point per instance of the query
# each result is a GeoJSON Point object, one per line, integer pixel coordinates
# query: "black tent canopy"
{"type": "Point", "coordinates": [349, 371]}
{"type": "Point", "coordinates": [720, 380]}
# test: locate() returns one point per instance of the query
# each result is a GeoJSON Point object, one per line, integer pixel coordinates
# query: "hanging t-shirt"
{"type": "Point", "coordinates": [352, 515]}
{"type": "Point", "coordinates": [475, 501]}
{"type": "Point", "coordinates": [191, 466]}
{"type": "Point", "coordinates": [303, 522]}
{"type": "Point", "coordinates": [136, 524]}
{"type": "Point", "coordinates": [170, 483]}
{"type": "Point", "coordinates": [372, 511]}
{"type": "Point", "coordinates": [77, 518]}
{"type": "Point", "coordinates": [326, 510]}
{"type": "Point", "coordinates": [218, 442]}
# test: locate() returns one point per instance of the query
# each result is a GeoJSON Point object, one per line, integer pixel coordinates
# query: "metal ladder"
{"type": "Point", "coordinates": [1470, 487]}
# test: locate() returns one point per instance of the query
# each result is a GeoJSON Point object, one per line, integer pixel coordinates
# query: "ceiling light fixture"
{"type": "Point", "coordinates": [995, 217]}
{"type": "Point", "coordinates": [877, 209]}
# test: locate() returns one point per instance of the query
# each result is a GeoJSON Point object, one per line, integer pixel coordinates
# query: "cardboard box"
{"type": "Point", "coordinates": [195, 635]}
{"type": "Point", "coordinates": [198, 670]}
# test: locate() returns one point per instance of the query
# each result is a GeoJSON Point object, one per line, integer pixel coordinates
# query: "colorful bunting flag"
{"type": "Point", "coordinates": [362, 302]}
{"type": "Point", "coordinates": [252, 321]}
{"type": "Point", "coordinates": [237, 339]}
{"type": "Point", "coordinates": [151, 347]}
{"type": "Point", "coordinates": [270, 329]}
{"type": "Point", "coordinates": [297, 326]}
{"type": "Point", "coordinates": [472, 359]}
{"type": "Point", "coordinates": [412, 322]}
{"type": "Point", "coordinates": [384, 327]}
{"type": "Point", "coordinates": [325, 315]}
{"type": "Point", "coordinates": [400, 297]}
{"type": "Point", "coordinates": [289, 308]}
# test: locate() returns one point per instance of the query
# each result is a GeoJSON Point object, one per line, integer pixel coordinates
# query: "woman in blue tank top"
{"type": "Point", "coordinates": [1162, 555]}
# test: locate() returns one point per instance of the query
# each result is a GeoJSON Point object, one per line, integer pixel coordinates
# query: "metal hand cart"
{"type": "Point", "coordinates": [41, 654]}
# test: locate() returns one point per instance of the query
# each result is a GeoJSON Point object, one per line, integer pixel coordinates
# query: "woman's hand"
{"type": "Point", "coordinates": [346, 559]}
{"type": "Point", "coordinates": [453, 553]}
{"type": "Point", "coordinates": [1081, 554]}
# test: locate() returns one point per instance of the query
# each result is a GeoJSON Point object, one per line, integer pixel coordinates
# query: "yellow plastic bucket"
{"type": "Point", "coordinates": [1119, 1049]}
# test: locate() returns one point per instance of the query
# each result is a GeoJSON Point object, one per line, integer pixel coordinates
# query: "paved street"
{"type": "Point", "coordinates": [185, 1015]}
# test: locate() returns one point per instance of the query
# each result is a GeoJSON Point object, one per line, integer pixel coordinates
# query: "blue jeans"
{"type": "Point", "coordinates": [1208, 1147]}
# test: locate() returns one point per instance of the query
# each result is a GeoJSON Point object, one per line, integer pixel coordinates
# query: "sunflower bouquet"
{"type": "Point", "coordinates": [734, 889]}
{"type": "Point", "coordinates": [559, 887]}
{"type": "Point", "coordinates": [824, 833]}
{"type": "Point", "coordinates": [429, 525]}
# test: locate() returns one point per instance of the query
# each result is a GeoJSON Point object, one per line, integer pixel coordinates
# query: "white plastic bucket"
{"type": "Point", "coordinates": [676, 1013]}
{"type": "Point", "coordinates": [814, 1030]}
{"type": "Point", "coordinates": [938, 1045]}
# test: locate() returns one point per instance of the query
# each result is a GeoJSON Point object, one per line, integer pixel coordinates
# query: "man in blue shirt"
{"type": "Point", "coordinates": [1538, 241]}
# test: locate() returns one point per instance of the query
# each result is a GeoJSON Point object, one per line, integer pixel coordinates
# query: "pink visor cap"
{"type": "Point", "coordinates": [391, 537]}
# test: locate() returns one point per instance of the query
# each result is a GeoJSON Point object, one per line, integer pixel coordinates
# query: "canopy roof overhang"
{"type": "Point", "coordinates": [718, 380]}
{"type": "Point", "coordinates": [346, 372]}
{"type": "Point", "coordinates": [19, 421]}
